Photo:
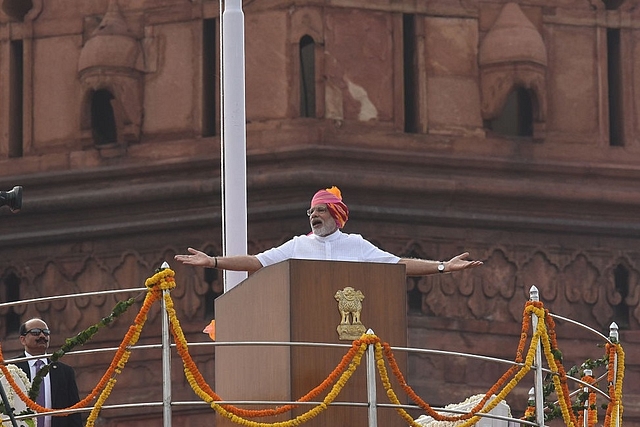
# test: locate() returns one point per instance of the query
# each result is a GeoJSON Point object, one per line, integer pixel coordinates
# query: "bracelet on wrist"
{"type": "Point", "coordinates": [215, 262]}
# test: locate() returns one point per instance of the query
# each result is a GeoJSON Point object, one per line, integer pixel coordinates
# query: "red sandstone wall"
{"type": "Point", "coordinates": [559, 212]}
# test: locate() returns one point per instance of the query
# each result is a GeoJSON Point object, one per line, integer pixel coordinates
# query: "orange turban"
{"type": "Point", "coordinates": [333, 199]}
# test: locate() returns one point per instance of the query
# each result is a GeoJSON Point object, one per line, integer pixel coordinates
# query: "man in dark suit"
{"type": "Point", "coordinates": [59, 386]}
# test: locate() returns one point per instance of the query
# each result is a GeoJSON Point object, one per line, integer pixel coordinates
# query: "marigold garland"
{"type": "Point", "coordinates": [342, 372]}
{"type": "Point", "coordinates": [614, 384]}
{"type": "Point", "coordinates": [564, 401]}
{"type": "Point", "coordinates": [544, 335]}
{"type": "Point", "coordinates": [560, 383]}
{"type": "Point", "coordinates": [80, 339]}
{"type": "Point", "coordinates": [589, 404]}
{"type": "Point", "coordinates": [162, 280]}
{"type": "Point", "coordinates": [202, 389]}
{"type": "Point", "coordinates": [312, 413]}
{"type": "Point", "coordinates": [480, 407]}
{"type": "Point", "coordinates": [529, 413]}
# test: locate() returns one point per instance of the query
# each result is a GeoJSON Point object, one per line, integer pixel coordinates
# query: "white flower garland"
{"type": "Point", "coordinates": [19, 407]}
{"type": "Point", "coordinates": [470, 402]}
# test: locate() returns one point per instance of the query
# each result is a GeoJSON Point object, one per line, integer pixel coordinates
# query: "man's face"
{"type": "Point", "coordinates": [35, 344]}
{"type": "Point", "coordinates": [321, 221]}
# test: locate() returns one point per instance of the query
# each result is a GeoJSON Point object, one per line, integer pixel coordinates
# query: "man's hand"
{"type": "Point", "coordinates": [460, 262]}
{"type": "Point", "coordinates": [196, 257]}
{"type": "Point", "coordinates": [423, 267]}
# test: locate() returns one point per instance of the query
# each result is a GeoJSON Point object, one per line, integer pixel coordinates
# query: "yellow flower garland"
{"type": "Point", "coordinates": [619, 378]}
{"type": "Point", "coordinates": [191, 378]}
{"type": "Point", "coordinates": [544, 334]}
{"type": "Point", "coordinates": [563, 398]}
{"type": "Point", "coordinates": [614, 409]}
{"type": "Point", "coordinates": [158, 282]}
{"type": "Point", "coordinates": [480, 407]}
{"type": "Point", "coordinates": [590, 405]}
{"type": "Point", "coordinates": [540, 335]}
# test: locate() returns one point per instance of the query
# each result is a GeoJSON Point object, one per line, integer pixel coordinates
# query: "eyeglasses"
{"type": "Point", "coordinates": [37, 331]}
{"type": "Point", "coordinates": [319, 209]}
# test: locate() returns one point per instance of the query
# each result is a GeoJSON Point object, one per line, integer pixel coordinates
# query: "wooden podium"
{"type": "Point", "coordinates": [293, 301]}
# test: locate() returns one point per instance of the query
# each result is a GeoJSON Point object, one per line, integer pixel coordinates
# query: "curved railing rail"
{"type": "Point", "coordinates": [373, 352]}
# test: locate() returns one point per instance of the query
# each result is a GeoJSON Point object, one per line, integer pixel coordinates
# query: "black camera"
{"type": "Point", "coordinates": [12, 198]}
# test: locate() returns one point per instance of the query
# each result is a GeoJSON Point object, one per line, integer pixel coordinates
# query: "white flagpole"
{"type": "Point", "coordinates": [234, 139]}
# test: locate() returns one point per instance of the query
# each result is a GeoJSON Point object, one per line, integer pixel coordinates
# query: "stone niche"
{"type": "Point", "coordinates": [111, 68]}
{"type": "Point", "coordinates": [513, 55]}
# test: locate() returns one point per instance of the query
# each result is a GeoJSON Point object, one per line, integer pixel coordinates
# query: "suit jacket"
{"type": "Point", "coordinates": [64, 392]}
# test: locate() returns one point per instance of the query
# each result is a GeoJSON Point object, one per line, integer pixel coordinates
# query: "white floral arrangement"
{"type": "Point", "coordinates": [19, 407]}
{"type": "Point", "coordinates": [502, 410]}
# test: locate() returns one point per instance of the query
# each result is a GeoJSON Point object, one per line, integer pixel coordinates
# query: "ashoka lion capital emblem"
{"type": "Point", "coordinates": [350, 307]}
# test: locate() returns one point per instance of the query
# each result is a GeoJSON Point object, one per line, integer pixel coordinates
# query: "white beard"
{"type": "Point", "coordinates": [325, 229]}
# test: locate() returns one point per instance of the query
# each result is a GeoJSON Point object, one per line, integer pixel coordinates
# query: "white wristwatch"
{"type": "Point", "coordinates": [441, 267]}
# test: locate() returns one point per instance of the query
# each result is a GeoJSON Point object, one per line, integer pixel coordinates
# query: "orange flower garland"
{"type": "Point", "coordinates": [492, 391]}
{"type": "Point", "coordinates": [164, 279]}
{"type": "Point", "coordinates": [529, 413]}
{"type": "Point", "coordinates": [590, 407]}
{"type": "Point", "coordinates": [544, 334]}
{"type": "Point", "coordinates": [614, 384]}
{"type": "Point", "coordinates": [550, 348]}
{"type": "Point", "coordinates": [149, 300]}
{"type": "Point", "coordinates": [158, 282]}
{"type": "Point", "coordinates": [300, 419]}
{"type": "Point", "coordinates": [202, 389]}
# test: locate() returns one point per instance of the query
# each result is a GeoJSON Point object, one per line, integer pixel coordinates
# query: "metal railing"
{"type": "Point", "coordinates": [535, 393]}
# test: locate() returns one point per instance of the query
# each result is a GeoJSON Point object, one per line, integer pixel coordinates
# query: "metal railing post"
{"type": "Point", "coordinates": [371, 384]}
{"type": "Point", "coordinates": [587, 390]}
{"type": "Point", "coordinates": [614, 336]}
{"type": "Point", "coordinates": [537, 385]}
{"type": "Point", "coordinates": [166, 362]}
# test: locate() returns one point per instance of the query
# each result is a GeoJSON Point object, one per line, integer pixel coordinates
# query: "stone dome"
{"type": "Point", "coordinates": [111, 45]}
{"type": "Point", "coordinates": [512, 38]}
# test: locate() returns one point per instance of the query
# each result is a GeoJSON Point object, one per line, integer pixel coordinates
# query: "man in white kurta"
{"type": "Point", "coordinates": [327, 215]}
{"type": "Point", "coordinates": [337, 246]}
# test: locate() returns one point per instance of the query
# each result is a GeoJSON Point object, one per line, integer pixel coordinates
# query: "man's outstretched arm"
{"type": "Point", "coordinates": [247, 263]}
{"type": "Point", "coordinates": [423, 267]}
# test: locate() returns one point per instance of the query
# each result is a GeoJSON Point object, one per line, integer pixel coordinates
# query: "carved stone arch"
{"type": "Point", "coordinates": [12, 285]}
{"type": "Point", "coordinates": [500, 278]}
{"type": "Point", "coordinates": [622, 283]}
{"type": "Point", "coordinates": [130, 270]}
{"type": "Point", "coordinates": [499, 82]}
{"type": "Point", "coordinates": [53, 280]}
{"type": "Point", "coordinates": [87, 125]}
{"type": "Point", "coordinates": [307, 74]}
{"type": "Point", "coordinates": [608, 275]}
{"type": "Point", "coordinates": [307, 24]}
{"type": "Point", "coordinates": [540, 272]}
{"type": "Point", "coordinates": [307, 21]}
{"type": "Point", "coordinates": [580, 280]}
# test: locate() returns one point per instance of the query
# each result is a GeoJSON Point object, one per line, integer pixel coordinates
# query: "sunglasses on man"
{"type": "Point", "coordinates": [37, 331]}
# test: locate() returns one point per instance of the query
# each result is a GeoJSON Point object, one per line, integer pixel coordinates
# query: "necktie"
{"type": "Point", "coordinates": [41, 394]}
